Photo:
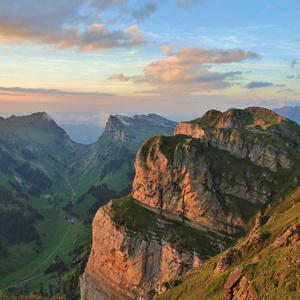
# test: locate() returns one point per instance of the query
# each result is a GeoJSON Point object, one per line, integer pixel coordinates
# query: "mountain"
{"type": "Point", "coordinates": [194, 195]}
{"type": "Point", "coordinates": [83, 134]}
{"type": "Point", "coordinates": [110, 160]}
{"type": "Point", "coordinates": [263, 264]}
{"type": "Point", "coordinates": [34, 156]}
{"type": "Point", "coordinates": [50, 188]}
{"type": "Point", "coordinates": [291, 112]}
{"type": "Point", "coordinates": [33, 142]}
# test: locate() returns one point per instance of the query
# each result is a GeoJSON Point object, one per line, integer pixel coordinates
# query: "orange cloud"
{"type": "Point", "coordinates": [190, 66]}
{"type": "Point", "coordinates": [119, 76]}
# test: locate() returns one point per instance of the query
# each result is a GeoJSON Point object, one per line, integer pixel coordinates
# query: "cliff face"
{"type": "Point", "coordinates": [115, 128]}
{"type": "Point", "coordinates": [126, 266]}
{"type": "Point", "coordinates": [191, 193]}
{"type": "Point", "coordinates": [242, 133]}
{"type": "Point", "coordinates": [190, 183]}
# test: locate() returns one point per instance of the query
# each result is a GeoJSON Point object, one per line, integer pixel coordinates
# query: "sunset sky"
{"type": "Point", "coordinates": [81, 60]}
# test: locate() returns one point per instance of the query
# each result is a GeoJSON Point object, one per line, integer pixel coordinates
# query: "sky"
{"type": "Point", "coordinates": [81, 60]}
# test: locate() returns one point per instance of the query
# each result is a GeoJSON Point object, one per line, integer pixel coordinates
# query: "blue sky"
{"type": "Point", "coordinates": [81, 60]}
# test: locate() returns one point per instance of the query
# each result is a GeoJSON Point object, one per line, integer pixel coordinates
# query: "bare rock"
{"type": "Point", "coordinates": [238, 286]}
{"type": "Point", "coordinates": [123, 266]}
{"type": "Point", "coordinates": [232, 281]}
{"type": "Point", "coordinates": [184, 187]}
{"type": "Point", "coordinates": [238, 144]}
{"type": "Point", "coordinates": [225, 261]}
{"type": "Point", "coordinates": [287, 236]}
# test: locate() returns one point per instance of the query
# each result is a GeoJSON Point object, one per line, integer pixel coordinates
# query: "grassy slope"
{"type": "Point", "coordinates": [51, 155]}
{"type": "Point", "coordinates": [263, 274]}
{"type": "Point", "coordinates": [54, 164]}
{"type": "Point", "coordinates": [23, 259]}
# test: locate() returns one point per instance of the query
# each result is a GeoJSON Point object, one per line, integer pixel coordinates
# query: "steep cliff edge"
{"type": "Point", "coordinates": [190, 198]}
{"type": "Point", "coordinates": [255, 132]}
{"type": "Point", "coordinates": [132, 257]}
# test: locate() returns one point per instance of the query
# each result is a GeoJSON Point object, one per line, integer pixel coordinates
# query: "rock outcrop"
{"type": "Point", "coordinates": [187, 182]}
{"type": "Point", "coordinates": [222, 131]}
{"type": "Point", "coordinates": [191, 193]}
{"type": "Point", "coordinates": [225, 261]}
{"type": "Point", "coordinates": [289, 235]}
{"type": "Point", "coordinates": [124, 265]}
{"type": "Point", "coordinates": [237, 286]}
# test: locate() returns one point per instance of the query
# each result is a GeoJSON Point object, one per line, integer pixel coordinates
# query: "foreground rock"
{"type": "Point", "coordinates": [192, 193]}
{"type": "Point", "coordinates": [123, 265]}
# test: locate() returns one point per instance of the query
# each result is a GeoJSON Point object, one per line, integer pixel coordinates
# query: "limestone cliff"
{"type": "Point", "coordinates": [191, 194]}
{"type": "Point", "coordinates": [114, 127]}
{"type": "Point", "coordinates": [203, 185]}
{"type": "Point", "coordinates": [243, 134]}
{"type": "Point", "coordinates": [123, 265]}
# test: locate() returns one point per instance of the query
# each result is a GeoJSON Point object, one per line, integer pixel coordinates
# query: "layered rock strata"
{"type": "Point", "coordinates": [125, 265]}
{"type": "Point", "coordinates": [191, 193]}
{"type": "Point", "coordinates": [189, 183]}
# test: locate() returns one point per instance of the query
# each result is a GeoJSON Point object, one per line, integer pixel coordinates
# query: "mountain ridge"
{"type": "Point", "coordinates": [205, 178]}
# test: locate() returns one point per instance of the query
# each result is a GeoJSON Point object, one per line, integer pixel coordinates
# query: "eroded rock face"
{"type": "Point", "coordinates": [114, 128]}
{"type": "Point", "coordinates": [225, 261]}
{"type": "Point", "coordinates": [186, 187]}
{"type": "Point", "coordinates": [238, 145]}
{"type": "Point", "coordinates": [238, 287]}
{"type": "Point", "coordinates": [126, 266]}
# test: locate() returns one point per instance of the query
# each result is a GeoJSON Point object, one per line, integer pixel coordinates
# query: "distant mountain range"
{"type": "Point", "coordinates": [291, 112]}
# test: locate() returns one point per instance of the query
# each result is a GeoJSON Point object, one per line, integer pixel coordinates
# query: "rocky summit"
{"type": "Point", "coordinates": [194, 194]}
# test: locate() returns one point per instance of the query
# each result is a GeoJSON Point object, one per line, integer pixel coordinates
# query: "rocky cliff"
{"type": "Point", "coordinates": [112, 156]}
{"type": "Point", "coordinates": [192, 194]}
{"type": "Point", "coordinates": [252, 133]}
{"type": "Point", "coordinates": [126, 265]}
{"type": "Point", "coordinates": [136, 129]}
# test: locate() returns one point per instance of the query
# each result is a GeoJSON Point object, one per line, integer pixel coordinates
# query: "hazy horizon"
{"type": "Point", "coordinates": [88, 59]}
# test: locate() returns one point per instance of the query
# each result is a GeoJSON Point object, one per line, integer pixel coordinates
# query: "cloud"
{"type": "Point", "coordinates": [185, 3]}
{"type": "Point", "coordinates": [261, 84]}
{"type": "Point", "coordinates": [50, 91]}
{"type": "Point", "coordinates": [189, 66]}
{"type": "Point", "coordinates": [64, 24]}
{"type": "Point", "coordinates": [143, 11]}
{"type": "Point", "coordinates": [285, 91]}
{"type": "Point", "coordinates": [119, 76]}
{"type": "Point", "coordinates": [90, 118]}
{"type": "Point", "coordinates": [293, 63]}
{"type": "Point", "coordinates": [293, 76]}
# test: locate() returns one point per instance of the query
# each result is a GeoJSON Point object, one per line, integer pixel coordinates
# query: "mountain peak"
{"type": "Point", "coordinates": [136, 129]}
{"type": "Point", "coordinates": [234, 118]}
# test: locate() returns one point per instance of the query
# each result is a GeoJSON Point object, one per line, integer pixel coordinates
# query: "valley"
{"type": "Point", "coordinates": [224, 181]}
{"type": "Point", "coordinates": [43, 169]}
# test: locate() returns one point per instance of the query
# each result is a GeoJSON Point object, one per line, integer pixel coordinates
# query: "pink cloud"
{"type": "Point", "coordinates": [119, 76]}
{"type": "Point", "coordinates": [190, 66]}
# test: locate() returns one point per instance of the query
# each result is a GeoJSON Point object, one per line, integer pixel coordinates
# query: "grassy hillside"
{"type": "Point", "coordinates": [42, 169]}
{"type": "Point", "coordinates": [273, 272]}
